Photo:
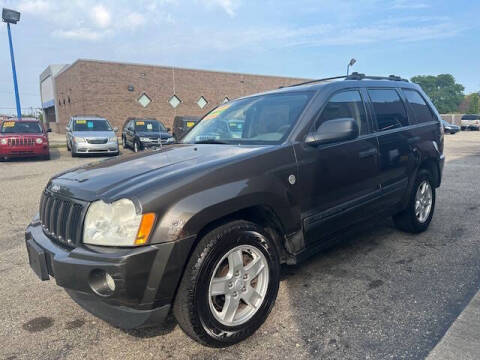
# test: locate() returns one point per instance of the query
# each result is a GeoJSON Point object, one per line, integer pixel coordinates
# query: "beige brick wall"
{"type": "Point", "coordinates": [101, 88]}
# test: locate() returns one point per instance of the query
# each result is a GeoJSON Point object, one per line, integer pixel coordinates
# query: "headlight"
{"type": "Point", "coordinates": [39, 140]}
{"type": "Point", "coordinates": [116, 224]}
{"type": "Point", "coordinates": [3, 141]}
{"type": "Point", "coordinates": [144, 139]}
{"type": "Point", "coordinates": [79, 140]}
{"type": "Point", "coordinates": [170, 140]}
{"type": "Point", "coordinates": [113, 139]}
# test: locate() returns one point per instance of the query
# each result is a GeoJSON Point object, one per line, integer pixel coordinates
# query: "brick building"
{"type": "Point", "coordinates": [117, 91]}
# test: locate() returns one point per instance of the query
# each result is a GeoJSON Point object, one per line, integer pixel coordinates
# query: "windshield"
{"type": "Point", "coordinates": [21, 127]}
{"type": "Point", "coordinates": [91, 125]}
{"type": "Point", "coordinates": [149, 126]}
{"type": "Point", "coordinates": [264, 119]}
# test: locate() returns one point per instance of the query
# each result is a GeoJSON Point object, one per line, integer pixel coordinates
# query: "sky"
{"type": "Point", "coordinates": [298, 38]}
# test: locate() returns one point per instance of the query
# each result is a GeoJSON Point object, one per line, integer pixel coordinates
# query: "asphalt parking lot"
{"type": "Point", "coordinates": [379, 294]}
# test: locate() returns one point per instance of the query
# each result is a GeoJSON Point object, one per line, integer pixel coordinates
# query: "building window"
{"type": "Point", "coordinates": [144, 100]}
{"type": "Point", "coordinates": [59, 103]}
{"type": "Point", "coordinates": [69, 99]}
{"type": "Point", "coordinates": [226, 99]}
{"type": "Point", "coordinates": [63, 101]}
{"type": "Point", "coordinates": [202, 102]}
{"type": "Point", "coordinates": [174, 101]}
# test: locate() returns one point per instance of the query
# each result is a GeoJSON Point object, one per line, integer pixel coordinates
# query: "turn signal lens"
{"type": "Point", "coordinates": [145, 228]}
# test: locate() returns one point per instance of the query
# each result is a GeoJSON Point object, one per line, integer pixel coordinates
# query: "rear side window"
{"type": "Point", "coordinates": [389, 109]}
{"type": "Point", "coordinates": [346, 104]}
{"type": "Point", "coordinates": [419, 106]}
{"type": "Point", "coordinates": [470, 117]}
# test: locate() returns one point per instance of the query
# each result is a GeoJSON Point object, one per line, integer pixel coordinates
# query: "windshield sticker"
{"type": "Point", "coordinates": [81, 121]}
{"type": "Point", "coordinates": [140, 123]}
{"type": "Point", "coordinates": [190, 124]}
{"type": "Point", "coordinates": [149, 126]}
{"type": "Point", "coordinates": [90, 124]}
{"type": "Point", "coordinates": [9, 124]}
{"type": "Point", "coordinates": [215, 113]}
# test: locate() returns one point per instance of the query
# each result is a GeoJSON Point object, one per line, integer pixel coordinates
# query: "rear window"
{"type": "Point", "coordinates": [419, 106]}
{"type": "Point", "coordinates": [389, 109]}
{"type": "Point", "coordinates": [21, 127]}
{"type": "Point", "coordinates": [471, 117]}
{"type": "Point", "coordinates": [91, 125]}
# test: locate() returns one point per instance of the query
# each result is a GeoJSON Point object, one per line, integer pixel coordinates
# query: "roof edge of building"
{"type": "Point", "coordinates": [173, 67]}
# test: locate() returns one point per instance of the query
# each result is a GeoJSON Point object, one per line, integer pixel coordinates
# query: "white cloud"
{"type": "Point", "coordinates": [229, 6]}
{"type": "Point", "coordinates": [101, 16]}
{"type": "Point", "coordinates": [35, 6]}
{"type": "Point", "coordinates": [409, 4]}
{"type": "Point", "coordinates": [135, 19]}
{"type": "Point", "coordinates": [80, 34]}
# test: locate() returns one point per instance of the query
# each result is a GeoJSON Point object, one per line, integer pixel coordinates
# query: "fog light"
{"type": "Point", "coordinates": [101, 283]}
{"type": "Point", "coordinates": [110, 282]}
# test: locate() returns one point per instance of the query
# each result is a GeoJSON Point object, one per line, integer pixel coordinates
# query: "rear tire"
{"type": "Point", "coordinates": [225, 257]}
{"type": "Point", "coordinates": [413, 219]}
{"type": "Point", "coordinates": [124, 143]}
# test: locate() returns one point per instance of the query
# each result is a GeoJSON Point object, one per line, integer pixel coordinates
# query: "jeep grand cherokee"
{"type": "Point", "coordinates": [201, 228]}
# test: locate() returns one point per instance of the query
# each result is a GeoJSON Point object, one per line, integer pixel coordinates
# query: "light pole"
{"type": "Point", "coordinates": [351, 63]}
{"type": "Point", "coordinates": [12, 17]}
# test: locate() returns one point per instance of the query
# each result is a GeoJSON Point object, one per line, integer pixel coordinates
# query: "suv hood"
{"type": "Point", "coordinates": [160, 134]}
{"type": "Point", "coordinates": [112, 178]}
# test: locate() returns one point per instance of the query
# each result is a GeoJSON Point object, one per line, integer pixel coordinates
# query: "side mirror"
{"type": "Point", "coordinates": [331, 131]}
{"type": "Point", "coordinates": [115, 129]}
{"type": "Point", "coordinates": [67, 129]}
{"type": "Point", "coordinates": [168, 129]}
{"type": "Point", "coordinates": [49, 130]}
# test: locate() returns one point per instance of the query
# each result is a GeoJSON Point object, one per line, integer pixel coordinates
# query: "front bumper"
{"type": "Point", "coordinates": [86, 148]}
{"type": "Point", "coordinates": [146, 277]}
{"type": "Point", "coordinates": [24, 151]}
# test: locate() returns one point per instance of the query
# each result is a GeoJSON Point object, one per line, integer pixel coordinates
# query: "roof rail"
{"type": "Point", "coordinates": [314, 81]}
{"type": "Point", "coordinates": [352, 76]}
{"type": "Point", "coordinates": [359, 76]}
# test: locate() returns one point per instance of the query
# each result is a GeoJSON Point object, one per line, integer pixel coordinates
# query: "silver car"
{"type": "Point", "coordinates": [91, 135]}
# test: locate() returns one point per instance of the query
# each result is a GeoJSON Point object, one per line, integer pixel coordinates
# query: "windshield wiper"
{"type": "Point", "coordinates": [210, 141]}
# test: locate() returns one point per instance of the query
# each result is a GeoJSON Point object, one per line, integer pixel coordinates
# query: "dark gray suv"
{"type": "Point", "coordinates": [201, 228]}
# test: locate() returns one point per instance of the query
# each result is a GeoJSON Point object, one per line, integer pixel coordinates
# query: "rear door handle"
{"type": "Point", "coordinates": [367, 153]}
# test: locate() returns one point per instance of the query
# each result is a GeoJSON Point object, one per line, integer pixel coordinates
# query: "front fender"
{"type": "Point", "coordinates": [191, 214]}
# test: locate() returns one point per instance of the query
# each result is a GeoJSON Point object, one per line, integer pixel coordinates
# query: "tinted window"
{"type": "Point", "coordinates": [91, 125]}
{"type": "Point", "coordinates": [148, 126]}
{"type": "Point", "coordinates": [346, 104]}
{"type": "Point", "coordinates": [470, 117]}
{"type": "Point", "coordinates": [25, 127]}
{"type": "Point", "coordinates": [419, 106]}
{"type": "Point", "coordinates": [263, 119]}
{"type": "Point", "coordinates": [389, 109]}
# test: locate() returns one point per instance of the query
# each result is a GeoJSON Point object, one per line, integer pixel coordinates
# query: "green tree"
{"type": "Point", "coordinates": [474, 104]}
{"type": "Point", "coordinates": [445, 93]}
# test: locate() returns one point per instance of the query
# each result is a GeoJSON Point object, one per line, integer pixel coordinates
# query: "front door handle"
{"type": "Point", "coordinates": [367, 153]}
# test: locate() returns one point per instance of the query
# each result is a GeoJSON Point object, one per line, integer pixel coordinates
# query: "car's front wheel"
{"type": "Point", "coordinates": [136, 147]}
{"type": "Point", "coordinates": [229, 286]}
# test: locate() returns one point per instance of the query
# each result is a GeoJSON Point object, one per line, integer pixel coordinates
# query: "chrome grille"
{"type": "Point", "coordinates": [61, 218]}
{"type": "Point", "coordinates": [97, 141]}
{"type": "Point", "coordinates": [21, 141]}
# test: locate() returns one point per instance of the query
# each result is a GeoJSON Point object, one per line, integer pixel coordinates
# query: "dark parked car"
{"type": "Point", "coordinates": [202, 227]}
{"type": "Point", "coordinates": [23, 138]}
{"type": "Point", "coordinates": [183, 124]}
{"type": "Point", "coordinates": [450, 128]}
{"type": "Point", "coordinates": [140, 134]}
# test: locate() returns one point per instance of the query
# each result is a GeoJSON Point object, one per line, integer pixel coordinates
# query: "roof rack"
{"type": "Point", "coordinates": [359, 76]}
{"type": "Point", "coordinates": [352, 76]}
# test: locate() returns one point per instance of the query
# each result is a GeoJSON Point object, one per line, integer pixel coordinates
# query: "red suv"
{"type": "Point", "coordinates": [22, 138]}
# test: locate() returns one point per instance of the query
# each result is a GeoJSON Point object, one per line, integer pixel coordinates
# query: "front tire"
{"type": "Point", "coordinates": [419, 212]}
{"type": "Point", "coordinates": [229, 286]}
{"type": "Point", "coordinates": [136, 147]}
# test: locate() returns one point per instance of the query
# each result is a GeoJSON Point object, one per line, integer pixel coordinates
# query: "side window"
{"type": "Point", "coordinates": [419, 106]}
{"type": "Point", "coordinates": [346, 104]}
{"type": "Point", "coordinates": [389, 109]}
